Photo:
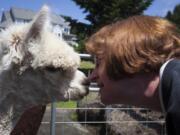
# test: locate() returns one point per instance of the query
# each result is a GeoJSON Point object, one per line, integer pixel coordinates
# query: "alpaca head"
{"type": "Point", "coordinates": [36, 66]}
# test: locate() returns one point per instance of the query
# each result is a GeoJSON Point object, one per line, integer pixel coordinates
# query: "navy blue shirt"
{"type": "Point", "coordinates": [170, 88]}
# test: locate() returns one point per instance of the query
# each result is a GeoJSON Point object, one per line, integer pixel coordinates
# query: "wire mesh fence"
{"type": "Point", "coordinates": [117, 121]}
{"type": "Point", "coordinates": [107, 120]}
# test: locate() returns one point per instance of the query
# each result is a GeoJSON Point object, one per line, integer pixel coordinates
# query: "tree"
{"type": "Point", "coordinates": [81, 30]}
{"type": "Point", "coordinates": [78, 28]}
{"type": "Point", "coordinates": [102, 12]}
{"type": "Point", "coordinates": [174, 16]}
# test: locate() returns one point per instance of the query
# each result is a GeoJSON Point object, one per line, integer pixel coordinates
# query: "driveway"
{"type": "Point", "coordinates": [61, 128]}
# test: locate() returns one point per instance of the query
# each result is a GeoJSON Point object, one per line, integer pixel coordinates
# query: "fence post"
{"type": "Point", "coordinates": [53, 119]}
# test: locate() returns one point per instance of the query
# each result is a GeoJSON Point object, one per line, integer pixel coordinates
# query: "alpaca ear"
{"type": "Point", "coordinates": [38, 24]}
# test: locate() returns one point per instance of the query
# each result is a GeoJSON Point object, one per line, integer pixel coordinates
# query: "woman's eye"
{"type": "Point", "coordinates": [98, 60]}
{"type": "Point", "coordinates": [97, 63]}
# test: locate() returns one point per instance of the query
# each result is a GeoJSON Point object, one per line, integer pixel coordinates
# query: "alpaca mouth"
{"type": "Point", "coordinates": [76, 91]}
{"type": "Point", "coordinates": [86, 83]}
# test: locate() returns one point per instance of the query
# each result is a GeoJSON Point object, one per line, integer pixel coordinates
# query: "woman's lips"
{"type": "Point", "coordinates": [100, 85]}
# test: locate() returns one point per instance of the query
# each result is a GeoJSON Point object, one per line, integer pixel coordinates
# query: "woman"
{"type": "Point", "coordinates": [137, 64]}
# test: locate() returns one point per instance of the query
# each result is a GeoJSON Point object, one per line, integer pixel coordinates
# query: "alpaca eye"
{"type": "Point", "coordinates": [51, 69]}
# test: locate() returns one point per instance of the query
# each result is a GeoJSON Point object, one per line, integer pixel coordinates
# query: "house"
{"type": "Point", "coordinates": [60, 27]}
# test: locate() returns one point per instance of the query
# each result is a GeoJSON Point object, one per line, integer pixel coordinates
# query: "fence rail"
{"type": "Point", "coordinates": [85, 122]}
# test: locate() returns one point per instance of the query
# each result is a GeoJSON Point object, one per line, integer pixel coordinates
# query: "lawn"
{"type": "Point", "coordinates": [86, 65]}
{"type": "Point", "coordinates": [68, 104]}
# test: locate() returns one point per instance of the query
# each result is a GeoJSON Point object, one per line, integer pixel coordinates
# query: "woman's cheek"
{"type": "Point", "coordinates": [106, 96]}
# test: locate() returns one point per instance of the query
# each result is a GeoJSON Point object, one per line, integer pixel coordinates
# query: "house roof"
{"type": "Point", "coordinates": [7, 16]}
{"type": "Point", "coordinates": [4, 24]}
{"type": "Point", "coordinates": [20, 13]}
{"type": "Point", "coordinates": [7, 19]}
{"type": "Point", "coordinates": [26, 14]}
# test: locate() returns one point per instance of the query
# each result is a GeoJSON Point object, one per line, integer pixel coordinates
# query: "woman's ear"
{"type": "Point", "coordinates": [152, 87]}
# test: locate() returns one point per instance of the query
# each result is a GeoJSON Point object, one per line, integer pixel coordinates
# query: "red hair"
{"type": "Point", "coordinates": [137, 44]}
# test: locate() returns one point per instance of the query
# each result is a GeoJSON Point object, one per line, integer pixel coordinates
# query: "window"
{"type": "Point", "coordinates": [66, 30]}
{"type": "Point", "coordinates": [59, 34]}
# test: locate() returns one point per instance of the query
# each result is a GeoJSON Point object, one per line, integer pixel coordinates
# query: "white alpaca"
{"type": "Point", "coordinates": [36, 67]}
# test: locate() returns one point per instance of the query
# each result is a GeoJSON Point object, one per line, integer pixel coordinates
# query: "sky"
{"type": "Point", "coordinates": [69, 8]}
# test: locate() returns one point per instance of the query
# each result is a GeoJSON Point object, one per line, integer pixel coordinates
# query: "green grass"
{"type": "Point", "coordinates": [68, 104]}
{"type": "Point", "coordinates": [86, 65]}
{"type": "Point", "coordinates": [74, 116]}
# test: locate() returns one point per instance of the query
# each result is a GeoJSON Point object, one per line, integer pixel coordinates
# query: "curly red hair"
{"type": "Point", "coordinates": [136, 44]}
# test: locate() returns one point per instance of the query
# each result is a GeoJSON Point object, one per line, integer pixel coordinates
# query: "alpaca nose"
{"type": "Point", "coordinates": [86, 83]}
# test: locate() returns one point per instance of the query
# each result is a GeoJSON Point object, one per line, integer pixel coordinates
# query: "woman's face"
{"type": "Point", "coordinates": [133, 90]}
{"type": "Point", "coordinates": [108, 88]}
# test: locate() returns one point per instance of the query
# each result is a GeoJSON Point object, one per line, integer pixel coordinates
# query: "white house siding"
{"type": "Point", "coordinates": [57, 30]}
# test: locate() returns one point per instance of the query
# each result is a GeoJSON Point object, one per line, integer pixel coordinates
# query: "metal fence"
{"type": "Point", "coordinates": [146, 121]}
{"type": "Point", "coordinates": [126, 122]}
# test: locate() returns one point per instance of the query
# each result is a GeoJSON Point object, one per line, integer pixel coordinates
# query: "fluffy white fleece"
{"type": "Point", "coordinates": [36, 67]}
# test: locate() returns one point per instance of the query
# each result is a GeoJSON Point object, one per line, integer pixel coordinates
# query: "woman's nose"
{"type": "Point", "coordinates": [93, 76]}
